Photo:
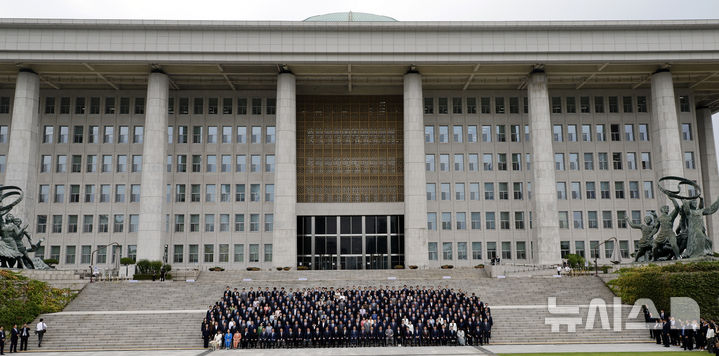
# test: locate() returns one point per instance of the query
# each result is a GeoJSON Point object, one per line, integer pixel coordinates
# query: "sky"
{"type": "Point", "coordinates": [402, 10]}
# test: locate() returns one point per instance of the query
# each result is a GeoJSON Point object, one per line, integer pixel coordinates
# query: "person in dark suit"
{"type": "Point", "coordinates": [206, 334]}
{"type": "Point", "coordinates": [665, 332]}
{"type": "Point", "coordinates": [2, 340]}
{"type": "Point", "coordinates": [14, 335]}
{"type": "Point", "coordinates": [24, 336]}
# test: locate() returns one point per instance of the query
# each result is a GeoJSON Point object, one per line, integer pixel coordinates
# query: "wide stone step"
{"type": "Point", "coordinates": [113, 315]}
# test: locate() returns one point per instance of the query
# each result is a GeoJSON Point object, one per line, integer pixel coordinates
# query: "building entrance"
{"type": "Point", "coordinates": [350, 242]}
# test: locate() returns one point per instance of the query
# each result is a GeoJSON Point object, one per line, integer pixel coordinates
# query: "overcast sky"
{"type": "Point", "coordinates": [403, 10]}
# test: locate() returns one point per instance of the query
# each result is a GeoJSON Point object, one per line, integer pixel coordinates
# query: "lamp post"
{"type": "Point", "coordinates": [596, 253]}
{"type": "Point", "coordinates": [92, 258]}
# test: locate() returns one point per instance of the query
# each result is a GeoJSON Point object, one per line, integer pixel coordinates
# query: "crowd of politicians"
{"type": "Point", "coordinates": [688, 334]}
{"type": "Point", "coordinates": [346, 317]}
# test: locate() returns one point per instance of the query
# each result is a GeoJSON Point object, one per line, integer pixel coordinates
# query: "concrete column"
{"type": "Point", "coordinates": [710, 172]}
{"type": "Point", "coordinates": [665, 130]}
{"type": "Point", "coordinates": [150, 239]}
{"type": "Point", "coordinates": [415, 200]}
{"type": "Point", "coordinates": [22, 160]}
{"type": "Point", "coordinates": [284, 234]}
{"type": "Point", "coordinates": [546, 228]}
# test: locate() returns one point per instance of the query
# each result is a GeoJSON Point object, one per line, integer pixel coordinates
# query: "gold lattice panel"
{"type": "Point", "coordinates": [349, 149]}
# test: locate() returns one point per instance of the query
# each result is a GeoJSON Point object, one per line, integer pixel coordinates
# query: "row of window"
{"type": "Point", "coordinates": [558, 104]}
{"type": "Point", "coordinates": [505, 220]}
{"type": "Point", "coordinates": [126, 105]}
{"type": "Point", "coordinates": [520, 252]}
{"type": "Point", "coordinates": [118, 223]}
{"type": "Point", "coordinates": [490, 220]}
{"type": "Point", "coordinates": [178, 253]}
{"type": "Point", "coordinates": [93, 134]}
{"type": "Point", "coordinates": [89, 194]}
{"type": "Point", "coordinates": [121, 163]}
{"type": "Point", "coordinates": [559, 134]}
{"type": "Point", "coordinates": [238, 253]}
{"type": "Point", "coordinates": [200, 134]}
{"type": "Point", "coordinates": [240, 163]}
{"type": "Point", "coordinates": [618, 159]}
{"type": "Point", "coordinates": [594, 249]}
{"type": "Point", "coordinates": [225, 194]}
{"type": "Point", "coordinates": [88, 223]}
{"type": "Point", "coordinates": [590, 190]}
{"type": "Point", "coordinates": [459, 191]}
{"type": "Point", "coordinates": [242, 106]}
{"type": "Point", "coordinates": [224, 223]}
{"type": "Point", "coordinates": [560, 161]}
{"type": "Point", "coordinates": [477, 253]}
{"type": "Point", "coordinates": [180, 193]}
{"type": "Point", "coordinates": [213, 133]}
{"type": "Point", "coordinates": [224, 134]}
{"type": "Point", "coordinates": [86, 252]}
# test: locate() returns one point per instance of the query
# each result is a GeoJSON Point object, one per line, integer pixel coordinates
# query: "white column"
{"type": "Point", "coordinates": [22, 160]}
{"type": "Point", "coordinates": [415, 201]}
{"type": "Point", "coordinates": [665, 130]}
{"type": "Point", "coordinates": [710, 172]}
{"type": "Point", "coordinates": [150, 240]}
{"type": "Point", "coordinates": [284, 234]}
{"type": "Point", "coordinates": [546, 227]}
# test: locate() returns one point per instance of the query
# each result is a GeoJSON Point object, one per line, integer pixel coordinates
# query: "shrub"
{"type": "Point", "coordinates": [168, 268]}
{"type": "Point", "coordinates": [479, 266]}
{"type": "Point", "coordinates": [253, 269]}
{"type": "Point", "coordinates": [216, 269]}
{"type": "Point", "coordinates": [24, 299]}
{"type": "Point", "coordinates": [148, 277]}
{"type": "Point", "coordinates": [447, 266]}
{"type": "Point", "coordinates": [143, 266]}
{"type": "Point", "coordinates": [575, 261]}
{"type": "Point", "coordinates": [398, 267]}
{"type": "Point", "coordinates": [412, 267]}
{"type": "Point", "coordinates": [279, 268]}
{"type": "Point", "coordinates": [50, 261]}
{"type": "Point", "coordinates": [699, 281]}
{"type": "Point", "coordinates": [287, 268]}
{"type": "Point", "coordinates": [155, 266]}
{"type": "Point", "coordinates": [127, 261]}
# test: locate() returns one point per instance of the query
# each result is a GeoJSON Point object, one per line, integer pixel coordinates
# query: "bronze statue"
{"type": "Point", "coordinates": [645, 246]}
{"type": "Point", "coordinates": [697, 242]}
{"type": "Point", "coordinates": [690, 239]}
{"type": "Point", "coordinates": [13, 253]}
{"type": "Point", "coordinates": [665, 246]}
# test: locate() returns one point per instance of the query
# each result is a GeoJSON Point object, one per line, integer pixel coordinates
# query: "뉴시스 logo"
{"type": "Point", "coordinates": [682, 309]}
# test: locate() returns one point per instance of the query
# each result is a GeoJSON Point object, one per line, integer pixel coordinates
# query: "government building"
{"type": "Point", "coordinates": [351, 140]}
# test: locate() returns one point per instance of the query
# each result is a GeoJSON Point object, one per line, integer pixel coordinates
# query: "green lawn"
{"type": "Point", "coordinates": [669, 353]}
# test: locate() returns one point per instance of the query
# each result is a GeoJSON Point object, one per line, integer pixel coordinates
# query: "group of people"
{"type": "Point", "coordinates": [21, 334]}
{"type": "Point", "coordinates": [690, 335]}
{"type": "Point", "coordinates": [346, 317]}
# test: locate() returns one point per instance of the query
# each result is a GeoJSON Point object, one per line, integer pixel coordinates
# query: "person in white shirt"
{"type": "Point", "coordinates": [460, 337]}
{"type": "Point", "coordinates": [40, 330]}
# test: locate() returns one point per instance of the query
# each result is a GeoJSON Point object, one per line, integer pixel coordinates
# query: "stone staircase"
{"type": "Point", "coordinates": [155, 315]}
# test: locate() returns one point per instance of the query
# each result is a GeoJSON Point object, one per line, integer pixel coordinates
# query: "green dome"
{"type": "Point", "coordinates": [350, 17]}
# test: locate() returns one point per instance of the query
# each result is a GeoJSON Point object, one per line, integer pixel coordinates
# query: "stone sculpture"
{"type": "Point", "coordinates": [13, 252]}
